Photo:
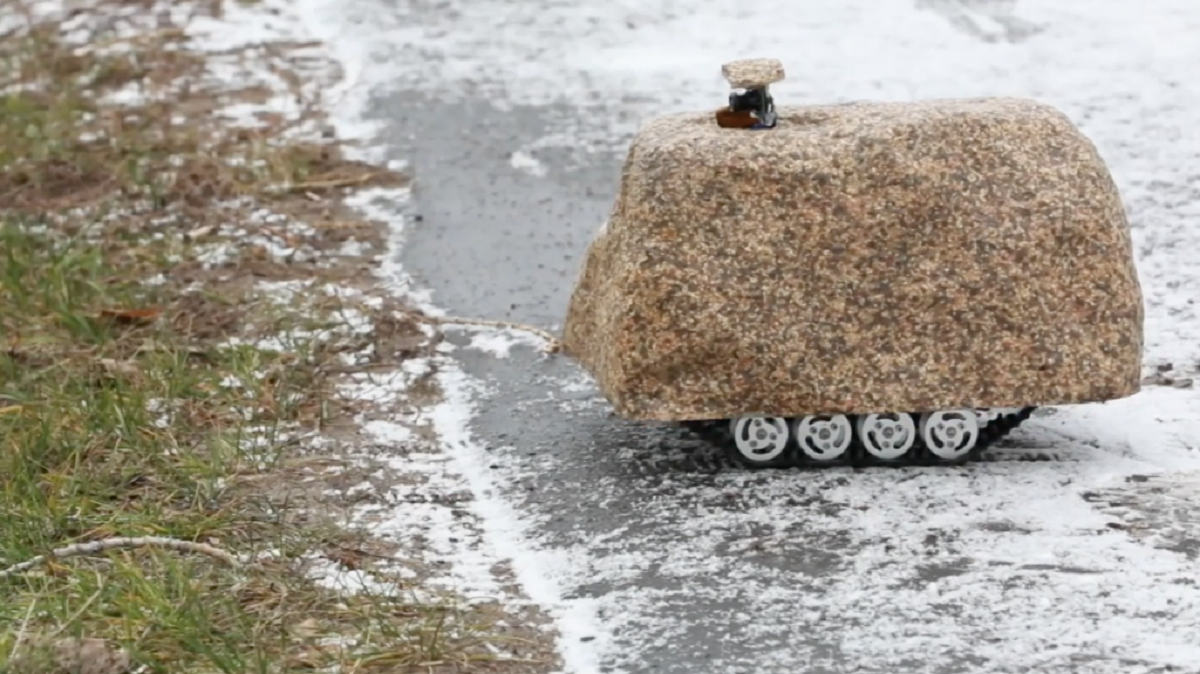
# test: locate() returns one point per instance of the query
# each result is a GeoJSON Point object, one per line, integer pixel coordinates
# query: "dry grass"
{"type": "Point", "coordinates": [137, 397]}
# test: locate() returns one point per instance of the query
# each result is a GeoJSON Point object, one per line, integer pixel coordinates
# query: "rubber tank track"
{"type": "Point", "coordinates": [718, 434]}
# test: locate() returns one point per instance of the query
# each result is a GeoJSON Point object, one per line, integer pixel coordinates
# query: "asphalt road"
{"type": "Point", "coordinates": [699, 567]}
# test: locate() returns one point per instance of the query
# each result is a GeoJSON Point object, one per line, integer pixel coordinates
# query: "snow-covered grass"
{"type": "Point", "coordinates": [197, 344]}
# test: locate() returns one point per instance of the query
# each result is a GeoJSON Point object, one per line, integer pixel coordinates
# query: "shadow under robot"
{"type": "Point", "coordinates": [872, 283]}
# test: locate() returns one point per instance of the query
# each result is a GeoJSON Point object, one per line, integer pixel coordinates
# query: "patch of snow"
{"type": "Point", "coordinates": [282, 240]}
{"type": "Point", "coordinates": [527, 163]}
{"type": "Point", "coordinates": [353, 248]}
{"type": "Point", "coordinates": [389, 431]}
{"type": "Point", "coordinates": [163, 411]}
{"type": "Point", "coordinates": [38, 10]}
{"type": "Point", "coordinates": [472, 560]}
{"type": "Point", "coordinates": [217, 255]}
{"type": "Point", "coordinates": [385, 205]}
{"type": "Point", "coordinates": [324, 21]}
{"type": "Point", "coordinates": [328, 574]}
{"type": "Point", "coordinates": [131, 94]}
{"type": "Point", "coordinates": [540, 571]}
{"type": "Point", "coordinates": [492, 343]}
{"type": "Point", "coordinates": [284, 292]}
{"type": "Point", "coordinates": [497, 342]}
{"type": "Point", "coordinates": [424, 493]}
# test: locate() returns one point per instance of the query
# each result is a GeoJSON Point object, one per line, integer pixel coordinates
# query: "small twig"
{"type": "Point", "coordinates": [123, 543]}
{"type": "Point", "coordinates": [323, 184]}
{"type": "Point", "coordinates": [554, 344]}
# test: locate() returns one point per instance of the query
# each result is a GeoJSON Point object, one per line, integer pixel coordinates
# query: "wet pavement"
{"type": "Point", "coordinates": [699, 567]}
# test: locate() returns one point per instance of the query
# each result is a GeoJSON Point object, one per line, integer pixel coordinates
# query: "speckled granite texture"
{"type": "Point", "coordinates": [752, 73]}
{"type": "Point", "coordinates": [866, 257]}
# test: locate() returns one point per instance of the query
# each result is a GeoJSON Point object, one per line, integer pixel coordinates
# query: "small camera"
{"type": "Point", "coordinates": [756, 101]}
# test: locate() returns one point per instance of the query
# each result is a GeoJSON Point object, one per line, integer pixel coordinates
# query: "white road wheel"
{"type": "Point", "coordinates": [950, 434]}
{"type": "Point", "coordinates": [886, 436]}
{"type": "Point", "coordinates": [760, 439]}
{"type": "Point", "coordinates": [824, 438]}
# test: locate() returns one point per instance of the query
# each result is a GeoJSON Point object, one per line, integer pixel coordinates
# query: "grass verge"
{"type": "Point", "coordinates": [167, 360]}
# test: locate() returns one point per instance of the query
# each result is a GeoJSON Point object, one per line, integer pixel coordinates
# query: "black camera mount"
{"type": "Point", "coordinates": [758, 102]}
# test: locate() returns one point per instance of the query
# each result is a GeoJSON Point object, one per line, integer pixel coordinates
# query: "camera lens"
{"type": "Point", "coordinates": [750, 100]}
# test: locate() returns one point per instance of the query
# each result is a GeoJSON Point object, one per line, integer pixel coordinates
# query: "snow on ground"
{"type": "Point", "coordinates": [1121, 70]}
{"type": "Point", "coordinates": [420, 482]}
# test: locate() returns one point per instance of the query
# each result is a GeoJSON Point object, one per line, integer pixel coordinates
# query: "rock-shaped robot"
{"type": "Point", "coordinates": [869, 283]}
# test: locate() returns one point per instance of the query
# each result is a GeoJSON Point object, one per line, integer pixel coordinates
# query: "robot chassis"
{"type": "Point", "coordinates": [944, 437]}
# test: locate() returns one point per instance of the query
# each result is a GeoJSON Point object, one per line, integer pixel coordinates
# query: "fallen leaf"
{"type": "Point", "coordinates": [350, 559]}
{"type": "Point", "coordinates": [131, 315]}
{"type": "Point", "coordinates": [198, 232]}
{"type": "Point", "coordinates": [307, 629]}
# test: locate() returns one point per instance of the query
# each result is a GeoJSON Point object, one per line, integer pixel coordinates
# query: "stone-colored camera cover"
{"type": "Point", "coordinates": [752, 73]}
{"type": "Point", "coordinates": [860, 258]}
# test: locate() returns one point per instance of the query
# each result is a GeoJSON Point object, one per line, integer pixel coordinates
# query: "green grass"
{"type": "Point", "coordinates": [116, 426]}
{"type": "Point", "coordinates": [114, 429]}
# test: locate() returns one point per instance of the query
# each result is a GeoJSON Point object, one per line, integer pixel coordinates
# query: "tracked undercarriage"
{"type": "Point", "coordinates": [946, 437]}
